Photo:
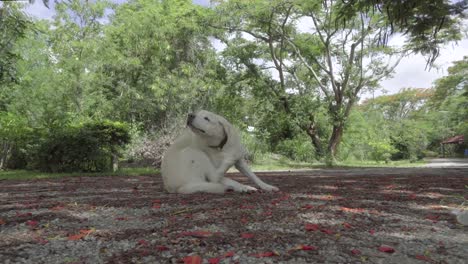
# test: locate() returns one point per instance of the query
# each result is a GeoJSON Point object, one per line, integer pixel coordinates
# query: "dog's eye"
{"type": "Point", "coordinates": [207, 119]}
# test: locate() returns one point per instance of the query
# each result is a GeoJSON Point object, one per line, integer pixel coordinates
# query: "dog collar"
{"type": "Point", "coordinates": [223, 142]}
{"type": "Point", "coordinates": [221, 145]}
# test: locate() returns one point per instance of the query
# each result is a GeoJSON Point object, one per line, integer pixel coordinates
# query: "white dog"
{"type": "Point", "coordinates": [198, 159]}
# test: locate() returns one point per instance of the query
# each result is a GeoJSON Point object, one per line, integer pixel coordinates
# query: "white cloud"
{"type": "Point", "coordinates": [411, 71]}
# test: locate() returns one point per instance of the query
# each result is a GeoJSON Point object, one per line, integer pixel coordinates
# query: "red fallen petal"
{"type": "Point", "coordinates": [372, 231]}
{"type": "Point", "coordinates": [57, 208]}
{"type": "Point", "coordinates": [86, 231]}
{"type": "Point", "coordinates": [197, 234]}
{"type": "Point", "coordinates": [41, 241]}
{"type": "Point", "coordinates": [144, 253]}
{"type": "Point", "coordinates": [386, 249]}
{"type": "Point", "coordinates": [412, 196]}
{"type": "Point", "coordinates": [162, 248]}
{"type": "Point", "coordinates": [121, 218]}
{"type": "Point", "coordinates": [156, 201]}
{"type": "Point", "coordinates": [247, 235]}
{"type": "Point", "coordinates": [311, 227]}
{"type": "Point", "coordinates": [143, 242]}
{"type": "Point", "coordinates": [352, 210]}
{"type": "Point", "coordinates": [32, 223]}
{"type": "Point", "coordinates": [356, 252]}
{"type": "Point", "coordinates": [156, 206]}
{"type": "Point", "coordinates": [76, 237]}
{"type": "Point", "coordinates": [2, 222]}
{"type": "Point", "coordinates": [308, 206]}
{"type": "Point", "coordinates": [303, 247]}
{"type": "Point", "coordinates": [327, 231]}
{"type": "Point", "coordinates": [275, 202]}
{"type": "Point", "coordinates": [421, 257]}
{"type": "Point", "coordinates": [23, 215]}
{"type": "Point", "coordinates": [229, 254]}
{"type": "Point", "coordinates": [214, 260]}
{"type": "Point", "coordinates": [244, 220]}
{"type": "Point", "coordinates": [265, 254]}
{"type": "Point", "coordinates": [347, 225]}
{"type": "Point", "coordinates": [433, 218]}
{"type": "Point", "coordinates": [192, 260]}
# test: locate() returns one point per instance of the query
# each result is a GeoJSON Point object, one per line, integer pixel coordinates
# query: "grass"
{"type": "Point", "coordinates": [264, 163]}
{"type": "Point", "coordinates": [28, 175]}
{"type": "Point", "coordinates": [273, 162]}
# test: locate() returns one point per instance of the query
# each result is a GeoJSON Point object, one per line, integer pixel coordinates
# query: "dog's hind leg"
{"type": "Point", "coordinates": [208, 187]}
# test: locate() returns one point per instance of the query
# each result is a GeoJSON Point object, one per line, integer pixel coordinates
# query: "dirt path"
{"type": "Point", "coordinates": [320, 216]}
{"type": "Point", "coordinates": [447, 162]}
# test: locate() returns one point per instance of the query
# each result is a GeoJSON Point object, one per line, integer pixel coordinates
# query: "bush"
{"type": "Point", "coordinates": [297, 149]}
{"type": "Point", "coordinates": [89, 147]}
{"type": "Point", "coordinates": [147, 149]}
{"type": "Point", "coordinates": [254, 146]}
{"type": "Point", "coordinates": [381, 151]}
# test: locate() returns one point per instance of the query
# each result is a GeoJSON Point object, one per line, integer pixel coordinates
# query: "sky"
{"type": "Point", "coordinates": [410, 72]}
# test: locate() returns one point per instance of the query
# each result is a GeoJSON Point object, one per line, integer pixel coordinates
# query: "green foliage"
{"type": "Point", "coordinates": [13, 24]}
{"type": "Point", "coordinates": [255, 146]}
{"type": "Point", "coordinates": [150, 62]}
{"type": "Point", "coordinates": [297, 149]}
{"type": "Point", "coordinates": [158, 62]}
{"type": "Point", "coordinates": [84, 148]}
{"type": "Point", "coordinates": [381, 151]}
{"type": "Point", "coordinates": [428, 24]}
{"type": "Point", "coordinates": [14, 134]}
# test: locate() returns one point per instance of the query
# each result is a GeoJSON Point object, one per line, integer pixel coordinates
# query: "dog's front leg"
{"type": "Point", "coordinates": [244, 169]}
{"type": "Point", "coordinates": [236, 186]}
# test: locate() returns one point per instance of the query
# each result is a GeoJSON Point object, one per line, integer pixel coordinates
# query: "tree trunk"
{"type": "Point", "coordinates": [312, 132]}
{"type": "Point", "coordinates": [115, 162]}
{"type": "Point", "coordinates": [5, 151]}
{"type": "Point", "coordinates": [334, 142]}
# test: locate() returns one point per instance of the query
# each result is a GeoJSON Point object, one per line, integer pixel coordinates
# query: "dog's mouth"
{"type": "Point", "coordinates": [195, 128]}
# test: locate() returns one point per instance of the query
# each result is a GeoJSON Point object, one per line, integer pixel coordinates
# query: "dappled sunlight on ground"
{"type": "Point", "coordinates": [332, 216]}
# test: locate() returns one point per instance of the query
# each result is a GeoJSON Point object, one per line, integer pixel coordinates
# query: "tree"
{"type": "Point", "coordinates": [426, 24]}
{"type": "Point", "coordinates": [329, 62]}
{"type": "Point", "coordinates": [449, 104]}
{"type": "Point", "coordinates": [13, 24]}
{"type": "Point", "coordinates": [399, 106]}
{"type": "Point", "coordinates": [75, 38]}
{"type": "Point", "coordinates": [158, 61]}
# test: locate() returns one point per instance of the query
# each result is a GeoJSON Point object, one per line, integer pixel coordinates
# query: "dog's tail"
{"type": "Point", "coordinates": [208, 187]}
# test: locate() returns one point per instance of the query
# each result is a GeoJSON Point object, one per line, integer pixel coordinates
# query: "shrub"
{"type": "Point", "coordinates": [381, 151]}
{"type": "Point", "coordinates": [148, 149]}
{"type": "Point", "coordinates": [298, 149]}
{"type": "Point", "coordinates": [89, 147]}
{"type": "Point", "coordinates": [14, 132]}
{"type": "Point", "coordinates": [254, 146]}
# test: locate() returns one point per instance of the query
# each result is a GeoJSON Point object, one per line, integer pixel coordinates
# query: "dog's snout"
{"type": "Point", "coordinates": [190, 118]}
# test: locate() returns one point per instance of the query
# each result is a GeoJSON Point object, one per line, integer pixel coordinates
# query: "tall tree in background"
{"type": "Point", "coordinates": [13, 24]}
{"type": "Point", "coordinates": [76, 35]}
{"type": "Point", "coordinates": [450, 100]}
{"type": "Point", "coordinates": [328, 59]}
{"type": "Point", "coordinates": [158, 61]}
{"type": "Point", "coordinates": [427, 24]}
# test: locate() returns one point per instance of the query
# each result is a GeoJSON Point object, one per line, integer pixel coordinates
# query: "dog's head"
{"type": "Point", "coordinates": [211, 128]}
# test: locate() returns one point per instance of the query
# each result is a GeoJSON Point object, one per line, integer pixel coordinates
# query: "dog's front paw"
{"type": "Point", "coordinates": [269, 188]}
{"type": "Point", "coordinates": [247, 188]}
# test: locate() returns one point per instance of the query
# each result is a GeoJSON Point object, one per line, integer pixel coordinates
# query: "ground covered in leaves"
{"type": "Point", "coordinates": [319, 216]}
